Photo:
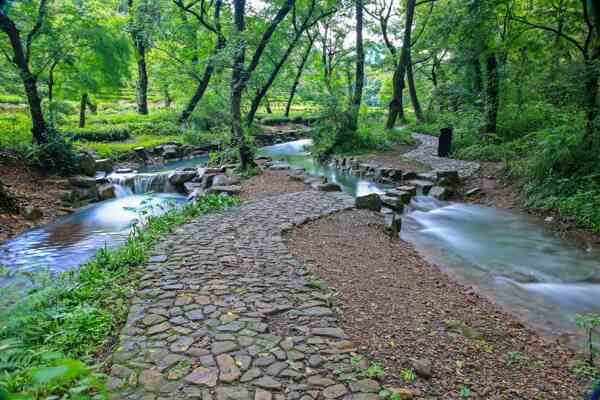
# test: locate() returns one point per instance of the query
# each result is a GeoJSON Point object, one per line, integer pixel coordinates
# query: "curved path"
{"type": "Point", "coordinates": [426, 154]}
{"type": "Point", "coordinates": [224, 312]}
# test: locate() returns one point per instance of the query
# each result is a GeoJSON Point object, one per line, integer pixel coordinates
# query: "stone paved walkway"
{"type": "Point", "coordinates": [426, 154]}
{"type": "Point", "coordinates": [225, 312]}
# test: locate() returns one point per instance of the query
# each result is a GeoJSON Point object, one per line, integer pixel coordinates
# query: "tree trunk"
{"type": "Point", "coordinates": [305, 56]}
{"type": "Point", "coordinates": [237, 86]}
{"type": "Point", "coordinates": [39, 128]}
{"type": "Point", "coordinates": [82, 107]}
{"type": "Point", "coordinates": [268, 105]}
{"type": "Point", "coordinates": [396, 106]}
{"type": "Point", "coordinates": [359, 80]}
{"type": "Point", "coordinates": [414, 98]}
{"type": "Point", "coordinates": [591, 103]}
{"type": "Point", "coordinates": [477, 78]}
{"type": "Point", "coordinates": [208, 70]}
{"type": "Point", "coordinates": [142, 84]}
{"type": "Point", "coordinates": [491, 98]}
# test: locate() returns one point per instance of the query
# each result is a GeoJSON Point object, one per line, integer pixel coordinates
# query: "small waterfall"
{"type": "Point", "coordinates": [133, 183]}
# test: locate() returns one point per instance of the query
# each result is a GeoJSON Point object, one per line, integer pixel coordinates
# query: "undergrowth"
{"type": "Point", "coordinates": [53, 334]}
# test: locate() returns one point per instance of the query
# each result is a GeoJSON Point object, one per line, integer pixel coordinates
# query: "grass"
{"type": "Point", "coordinates": [52, 338]}
{"type": "Point", "coordinates": [115, 149]}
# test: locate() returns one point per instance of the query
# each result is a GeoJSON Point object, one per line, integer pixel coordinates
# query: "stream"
{"type": "Point", "coordinates": [510, 258]}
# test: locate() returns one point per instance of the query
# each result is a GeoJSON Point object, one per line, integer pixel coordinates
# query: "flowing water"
{"type": "Point", "coordinates": [74, 239]}
{"type": "Point", "coordinates": [510, 258]}
{"type": "Point", "coordinates": [507, 257]}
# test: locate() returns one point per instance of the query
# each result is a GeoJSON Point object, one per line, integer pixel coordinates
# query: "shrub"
{"type": "Point", "coordinates": [101, 133]}
{"type": "Point", "coordinates": [58, 155]}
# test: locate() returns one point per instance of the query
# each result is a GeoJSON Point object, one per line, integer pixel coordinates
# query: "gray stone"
{"type": "Point", "coordinates": [203, 376]}
{"type": "Point", "coordinates": [365, 385]}
{"type": "Point", "coordinates": [251, 375]}
{"type": "Point", "coordinates": [369, 202]}
{"type": "Point", "coordinates": [223, 347]}
{"type": "Point", "coordinates": [329, 187]}
{"type": "Point", "coordinates": [229, 370]}
{"type": "Point", "coordinates": [266, 382]}
{"type": "Point", "coordinates": [439, 193]}
{"type": "Point", "coordinates": [87, 164]}
{"type": "Point", "coordinates": [151, 379]}
{"type": "Point", "coordinates": [329, 332]}
{"type": "Point", "coordinates": [81, 181]}
{"type": "Point", "coordinates": [107, 191]}
{"type": "Point", "coordinates": [335, 391]}
{"type": "Point", "coordinates": [423, 367]}
{"type": "Point", "coordinates": [178, 178]}
{"type": "Point", "coordinates": [233, 190]}
{"type": "Point", "coordinates": [233, 393]}
{"type": "Point", "coordinates": [262, 395]}
{"type": "Point", "coordinates": [105, 165]}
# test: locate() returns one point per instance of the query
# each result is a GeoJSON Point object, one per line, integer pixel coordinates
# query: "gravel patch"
{"type": "Point", "coordinates": [270, 183]}
{"type": "Point", "coordinates": [408, 314]}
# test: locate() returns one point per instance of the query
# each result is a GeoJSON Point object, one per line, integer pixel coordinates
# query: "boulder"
{"type": "Point", "coordinates": [170, 151]}
{"type": "Point", "coordinates": [369, 202]}
{"type": "Point", "coordinates": [393, 223]}
{"type": "Point", "coordinates": [409, 176]}
{"type": "Point", "coordinates": [439, 193]}
{"type": "Point", "coordinates": [87, 164]}
{"type": "Point", "coordinates": [85, 194]}
{"type": "Point", "coordinates": [424, 185]}
{"type": "Point", "coordinates": [178, 178]}
{"type": "Point", "coordinates": [195, 195]}
{"type": "Point", "coordinates": [404, 196]}
{"type": "Point", "coordinates": [224, 180]}
{"type": "Point", "coordinates": [81, 181]}
{"type": "Point", "coordinates": [395, 203]}
{"type": "Point", "coordinates": [448, 178]}
{"type": "Point", "coordinates": [32, 213]}
{"type": "Point", "coordinates": [329, 187]}
{"type": "Point", "coordinates": [107, 191]}
{"type": "Point", "coordinates": [200, 172]}
{"type": "Point", "coordinates": [190, 187]}
{"type": "Point", "coordinates": [409, 189]}
{"type": "Point", "coordinates": [142, 153]}
{"type": "Point", "coordinates": [427, 176]}
{"type": "Point", "coordinates": [423, 367]}
{"type": "Point", "coordinates": [105, 165]}
{"type": "Point", "coordinates": [230, 190]}
{"type": "Point", "coordinates": [124, 171]}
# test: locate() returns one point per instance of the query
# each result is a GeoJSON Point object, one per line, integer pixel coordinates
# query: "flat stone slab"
{"type": "Point", "coordinates": [230, 314]}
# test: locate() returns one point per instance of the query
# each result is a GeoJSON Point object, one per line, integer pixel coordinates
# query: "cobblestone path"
{"type": "Point", "coordinates": [224, 312]}
{"type": "Point", "coordinates": [426, 154]}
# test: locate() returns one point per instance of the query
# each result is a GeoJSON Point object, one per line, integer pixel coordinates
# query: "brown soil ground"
{"type": "Point", "coordinates": [270, 183]}
{"type": "Point", "coordinates": [396, 306]}
{"type": "Point", "coordinates": [32, 189]}
{"type": "Point", "coordinates": [393, 159]}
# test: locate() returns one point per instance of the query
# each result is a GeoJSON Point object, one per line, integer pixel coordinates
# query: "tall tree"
{"type": "Point", "coordinates": [21, 58]}
{"type": "Point", "coordinates": [359, 80]}
{"type": "Point", "coordinates": [215, 28]}
{"type": "Point", "coordinates": [143, 15]}
{"type": "Point", "coordinates": [395, 105]}
{"type": "Point", "coordinates": [241, 74]}
{"type": "Point", "coordinates": [303, 60]}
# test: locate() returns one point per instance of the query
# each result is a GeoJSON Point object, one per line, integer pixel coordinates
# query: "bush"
{"type": "Point", "coordinates": [162, 128]}
{"type": "Point", "coordinates": [101, 133]}
{"type": "Point", "coordinates": [58, 155]}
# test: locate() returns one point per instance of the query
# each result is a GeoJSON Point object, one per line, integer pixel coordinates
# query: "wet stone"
{"type": "Point", "coordinates": [233, 393]}
{"type": "Point", "coordinates": [365, 385]}
{"type": "Point", "coordinates": [267, 382]}
{"type": "Point", "coordinates": [203, 376]}
{"type": "Point", "coordinates": [335, 391]}
{"type": "Point", "coordinates": [276, 368]}
{"type": "Point", "coordinates": [229, 370]}
{"type": "Point", "coordinates": [182, 345]}
{"type": "Point", "coordinates": [264, 361]}
{"type": "Point", "coordinates": [250, 375]}
{"type": "Point", "coordinates": [165, 326]}
{"type": "Point", "coordinates": [223, 347]}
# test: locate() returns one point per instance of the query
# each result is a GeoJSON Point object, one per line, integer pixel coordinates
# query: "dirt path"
{"type": "Point", "coordinates": [407, 313]}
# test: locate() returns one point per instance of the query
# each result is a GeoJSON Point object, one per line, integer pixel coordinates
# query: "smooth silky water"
{"type": "Point", "coordinates": [510, 258]}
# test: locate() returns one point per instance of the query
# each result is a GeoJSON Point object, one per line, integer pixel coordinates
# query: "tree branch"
{"type": "Point", "coordinates": [36, 28]}
{"type": "Point", "coordinates": [555, 31]}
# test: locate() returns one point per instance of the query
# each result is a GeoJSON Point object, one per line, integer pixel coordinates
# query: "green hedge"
{"type": "Point", "coordinates": [101, 133]}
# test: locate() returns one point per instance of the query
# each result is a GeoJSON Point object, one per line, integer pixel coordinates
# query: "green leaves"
{"type": "Point", "coordinates": [65, 371]}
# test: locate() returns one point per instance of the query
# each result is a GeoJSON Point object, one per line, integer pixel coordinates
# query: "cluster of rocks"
{"type": "Point", "coordinates": [224, 312]}
{"type": "Point", "coordinates": [440, 185]}
{"type": "Point", "coordinates": [171, 151]}
{"type": "Point", "coordinates": [281, 136]}
{"type": "Point", "coordinates": [196, 182]}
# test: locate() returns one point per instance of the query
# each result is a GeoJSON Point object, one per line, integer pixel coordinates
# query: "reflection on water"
{"type": "Point", "coordinates": [296, 154]}
{"type": "Point", "coordinates": [173, 165]}
{"type": "Point", "coordinates": [75, 238]}
{"type": "Point", "coordinates": [533, 272]}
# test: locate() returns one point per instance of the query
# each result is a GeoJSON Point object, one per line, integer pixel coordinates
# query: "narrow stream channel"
{"type": "Point", "coordinates": [507, 257]}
